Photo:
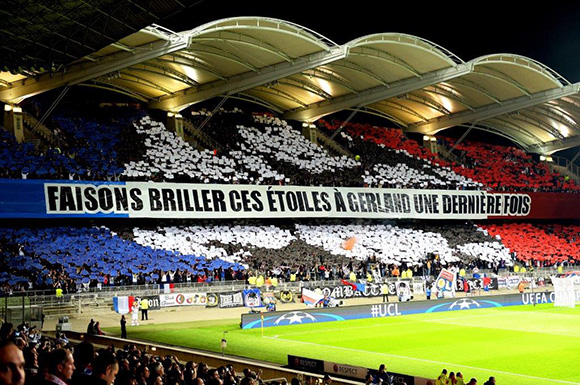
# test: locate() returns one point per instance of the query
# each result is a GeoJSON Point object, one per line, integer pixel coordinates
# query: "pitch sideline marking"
{"type": "Point", "coordinates": [435, 320]}
{"type": "Point", "coordinates": [446, 322]}
{"type": "Point", "coordinates": [425, 360]}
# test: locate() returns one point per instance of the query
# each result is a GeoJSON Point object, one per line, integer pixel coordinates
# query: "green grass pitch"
{"type": "Point", "coordinates": [518, 345]}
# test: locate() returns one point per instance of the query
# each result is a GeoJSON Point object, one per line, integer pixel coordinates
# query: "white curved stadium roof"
{"type": "Point", "coordinates": [302, 75]}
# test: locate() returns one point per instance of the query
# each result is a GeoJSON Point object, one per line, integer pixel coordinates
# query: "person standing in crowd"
{"type": "Point", "coordinates": [105, 368]}
{"type": "Point", "coordinates": [135, 314]}
{"type": "Point", "coordinates": [83, 355]}
{"type": "Point", "coordinates": [491, 381]}
{"type": "Point", "coordinates": [91, 327]}
{"type": "Point", "coordinates": [61, 367]}
{"type": "Point", "coordinates": [382, 377]}
{"type": "Point", "coordinates": [59, 294]}
{"type": "Point", "coordinates": [98, 330]}
{"type": "Point", "coordinates": [459, 379]}
{"type": "Point", "coordinates": [521, 286]}
{"type": "Point", "coordinates": [452, 380]}
{"type": "Point", "coordinates": [144, 307]}
{"type": "Point", "coordinates": [385, 291]}
{"type": "Point", "coordinates": [473, 381]}
{"type": "Point", "coordinates": [442, 379]}
{"type": "Point", "coordinates": [11, 364]}
{"type": "Point", "coordinates": [123, 327]}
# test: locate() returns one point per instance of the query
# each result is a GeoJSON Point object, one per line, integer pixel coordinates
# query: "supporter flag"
{"type": "Point", "coordinates": [123, 305]}
{"type": "Point", "coordinates": [349, 243]}
{"type": "Point", "coordinates": [361, 287]}
{"type": "Point", "coordinates": [168, 287]}
{"type": "Point", "coordinates": [486, 283]}
{"type": "Point", "coordinates": [348, 283]}
{"type": "Point", "coordinates": [310, 298]}
{"type": "Point", "coordinates": [445, 282]}
{"type": "Point", "coordinates": [253, 298]}
{"type": "Point", "coordinates": [403, 291]}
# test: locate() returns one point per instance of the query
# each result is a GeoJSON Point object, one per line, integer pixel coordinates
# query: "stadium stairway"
{"type": "Point", "coordinates": [201, 137]}
{"type": "Point", "coordinates": [321, 139]}
{"type": "Point", "coordinates": [564, 171]}
{"type": "Point", "coordinates": [35, 129]}
{"type": "Point", "coordinates": [444, 153]}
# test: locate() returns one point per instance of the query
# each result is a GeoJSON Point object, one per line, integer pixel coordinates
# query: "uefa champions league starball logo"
{"type": "Point", "coordinates": [464, 303]}
{"type": "Point", "coordinates": [294, 317]}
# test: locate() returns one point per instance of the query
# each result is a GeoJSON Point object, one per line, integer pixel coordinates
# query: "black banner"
{"type": "Point", "coordinates": [477, 284]}
{"type": "Point", "coordinates": [286, 296]}
{"type": "Point", "coordinates": [348, 291]}
{"type": "Point", "coordinates": [152, 300]}
{"type": "Point", "coordinates": [212, 300]}
{"type": "Point", "coordinates": [231, 299]}
{"type": "Point", "coordinates": [306, 364]}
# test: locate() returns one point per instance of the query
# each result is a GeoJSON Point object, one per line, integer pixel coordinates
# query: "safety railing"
{"type": "Point", "coordinates": [563, 162]}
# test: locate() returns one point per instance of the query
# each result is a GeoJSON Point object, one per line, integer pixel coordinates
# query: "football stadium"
{"type": "Point", "coordinates": [196, 193]}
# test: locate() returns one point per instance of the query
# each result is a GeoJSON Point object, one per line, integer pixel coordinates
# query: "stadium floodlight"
{"type": "Point", "coordinates": [426, 138]}
{"type": "Point", "coordinates": [17, 110]}
{"type": "Point", "coordinates": [7, 107]}
{"type": "Point", "coordinates": [549, 159]}
{"type": "Point", "coordinates": [170, 114]}
{"type": "Point", "coordinates": [433, 139]}
{"type": "Point", "coordinates": [178, 116]}
{"type": "Point", "coordinates": [305, 124]}
{"type": "Point", "coordinates": [542, 158]}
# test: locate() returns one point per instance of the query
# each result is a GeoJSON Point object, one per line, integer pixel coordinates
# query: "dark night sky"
{"type": "Point", "coordinates": [546, 33]}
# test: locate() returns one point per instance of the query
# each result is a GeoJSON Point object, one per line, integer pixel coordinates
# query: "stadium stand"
{"type": "Point", "coordinates": [506, 168]}
{"type": "Point", "coordinates": [76, 258]}
{"type": "Point", "coordinates": [261, 149]}
{"type": "Point", "coordinates": [266, 150]}
{"type": "Point", "coordinates": [24, 161]}
{"type": "Point", "coordinates": [83, 258]}
{"type": "Point", "coordinates": [278, 152]}
{"type": "Point", "coordinates": [390, 160]}
{"type": "Point", "coordinates": [539, 245]}
{"type": "Point", "coordinates": [136, 365]}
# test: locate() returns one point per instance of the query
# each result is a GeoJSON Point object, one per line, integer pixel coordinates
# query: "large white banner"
{"type": "Point", "coordinates": [171, 200]}
{"type": "Point", "coordinates": [565, 296]}
{"type": "Point", "coordinates": [183, 299]}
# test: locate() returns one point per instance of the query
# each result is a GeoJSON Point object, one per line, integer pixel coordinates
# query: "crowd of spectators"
{"type": "Point", "coordinates": [452, 378]}
{"type": "Point", "coordinates": [90, 148]}
{"type": "Point", "coordinates": [506, 168]}
{"type": "Point", "coordinates": [25, 161]}
{"type": "Point", "coordinates": [391, 160]}
{"type": "Point", "coordinates": [126, 144]}
{"type": "Point", "coordinates": [538, 245]}
{"type": "Point", "coordinates": [73, 259]}
{"type": "Point", "coordinates": [79, 258]}
{"type": "Point", "coordinates": [28, 358]}
{"type": "Point", "coordinates": [258, 149]}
